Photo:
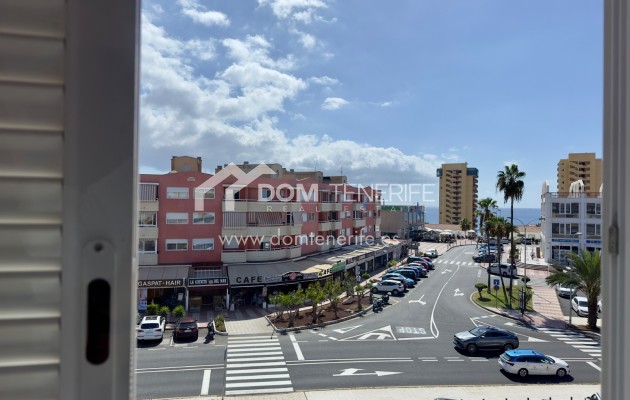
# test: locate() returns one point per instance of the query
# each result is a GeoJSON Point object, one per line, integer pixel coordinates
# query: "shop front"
{"type": "Point", "coordinates": [251, 284]}
{"type": "Point", "coordinates": [162, 285]}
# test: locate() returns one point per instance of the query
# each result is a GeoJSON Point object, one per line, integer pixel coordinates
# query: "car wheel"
{"type": "Point", "coordinates": [522, 372]}
{"type": "Point", "coordinates": [561, 373]}
{"type": "Point", "coordinates": [471, 348]}
{"type": "Point", "coordinates": [374, 290]}
{"type": "Point", "coordinates": [508, 346]}
{"type": "Point", "coordinates": [395, 292]}
{"type": "Point", "coordinates": [196, 337]}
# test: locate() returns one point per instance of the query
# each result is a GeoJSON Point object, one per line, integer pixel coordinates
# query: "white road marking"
{"type": "Point", "coordinates": [255, 371]}
{"type": "Point", "coordinates": [205, 383]}
{"type": "Point", "coordinates": [592, 364]}
{"type": "Point", "coordinates": [296, 347]}
{"type": "Point", "coordinates": [253, 350]}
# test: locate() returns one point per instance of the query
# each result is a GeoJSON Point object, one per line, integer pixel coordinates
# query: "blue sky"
{"type": "Point", "coordinates": [384, 91]}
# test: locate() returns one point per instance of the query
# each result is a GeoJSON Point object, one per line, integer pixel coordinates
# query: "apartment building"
{"type": "Point", "coordinates": [571, 221]}
{"type": "Point", "coordinates": [401, 221]}
{"type": "Point", "coordinates": [218, 239]}
{"type": "Point", "coordinates": [583, 167]}
{"type": "Point", "coordinates": [458, 193]}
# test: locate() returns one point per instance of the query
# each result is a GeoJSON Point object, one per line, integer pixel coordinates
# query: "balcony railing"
{"type": "Point", "coordinates": [260, 255]}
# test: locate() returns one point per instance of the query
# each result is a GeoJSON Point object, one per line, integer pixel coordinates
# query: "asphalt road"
{"type": "Point", "coordinates": [410, 343]}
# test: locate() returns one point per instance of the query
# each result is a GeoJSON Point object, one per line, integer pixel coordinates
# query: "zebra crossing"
{"type": "Point", "coordinates": [460, 263]}
{"type": "Point", "coordinates": [577, 340]}
{"type": "Point", "coordinates": [255, 365]}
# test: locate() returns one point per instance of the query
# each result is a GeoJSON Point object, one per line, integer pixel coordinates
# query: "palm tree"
{"type": "Point", "coordinates": [484, 213]}
{"type": "Point", "coordinates": [585, 276]}
{"type": "Point", "coordinates": [510, 183]}
{"type": "Point", "coordinates": [465, 224]}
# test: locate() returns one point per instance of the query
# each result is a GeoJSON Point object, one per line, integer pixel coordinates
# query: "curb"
{"type": "Point", "coordinates": [320, 325]}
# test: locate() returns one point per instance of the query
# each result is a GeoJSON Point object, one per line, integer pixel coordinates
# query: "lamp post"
{"type": "Point", "coordinates": [578, 234]}
{"type": "Point", "coordinates": [525, 244]}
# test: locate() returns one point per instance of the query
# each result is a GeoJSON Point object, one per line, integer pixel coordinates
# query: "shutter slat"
{"type": "Point", "coordinates": [31, 154]}
{"type": "Point", "coordinates": [33, 17]}
{"type": "Point", "coordinates": [27, 106]}
{"type": "Point", "coordinates": [32, 201]}
{"type": "Point", "coordinates": [31, 59]}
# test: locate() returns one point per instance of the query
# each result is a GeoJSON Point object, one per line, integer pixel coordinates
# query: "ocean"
{"type": "Point", "coordinates": [527, 215]}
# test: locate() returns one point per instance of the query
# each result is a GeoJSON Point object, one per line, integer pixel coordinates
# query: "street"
{"type": "Point", "coordinates": [410, 343]}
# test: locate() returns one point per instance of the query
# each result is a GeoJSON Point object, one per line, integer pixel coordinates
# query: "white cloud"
{"type": "Point", "coordinates": [308, 41]}
{"type": "Point", "coordinates": [386, 104]}
{"type": "Point", "coordinates": [231, 115]}
{"type": "Point", "coordinates": [323, 80]}
{"type": "Point", "coordinates": [198, 13]}
{"type": "Point", "coordinates": [300, 10]}
{"type": "Point", "coordinates": [333, 103]}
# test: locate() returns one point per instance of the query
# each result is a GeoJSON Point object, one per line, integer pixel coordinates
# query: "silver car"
{"type": "Point", "coordinates": [564, 290]}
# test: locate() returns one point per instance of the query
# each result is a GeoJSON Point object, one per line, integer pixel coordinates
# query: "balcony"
{"type": "Point", "coordinates": [259, 255]}
{"type": "Point", "coordinates": [335, 225]}
{"type": "Point", "coordinates": [147, 232]}
{"type": "Point", "coordinates": [260, 206]}
{"type": "Point", "coordinates": [325, 207]}
{"type": "Point", "coordinates": [357, 206]}
{"type": "Point", "coordinates": [274, 230]}
{"type": "Point", "coordinates": [358, 223]}
{"type": "Point", "coordinates": [324, 226]}
{"type": "Point", "coordinates": [147, 258]}
{"type": "Point", "coordinates": [149, 206]}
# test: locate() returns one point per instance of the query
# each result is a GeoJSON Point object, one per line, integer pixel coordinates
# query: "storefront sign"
{"type": "Point", "coordinates": [255, 279]}
{"type": "Point", "coordinates": [206, 281]}
{"type": "Point", "coordinates": [292, 276]}
{"type": "Point", "coordinates": [340, 266]}
{"type": "Point", "coordinates": [155, 283]}
{"type": "Point", "coordinates": [589, 241]}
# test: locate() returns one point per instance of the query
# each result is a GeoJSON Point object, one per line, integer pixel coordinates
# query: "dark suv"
{"type": "Point", "coordinates": [186, 328]}
{"type": "Point", "coordinates": [485, 338]}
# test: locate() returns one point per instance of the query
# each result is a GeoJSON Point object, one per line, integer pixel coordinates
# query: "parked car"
{"type": "Point", "coordinates": [505, 240]}
{"type": "Point", "coordinates": [580, 306]}
{"type": "Point", "coordinates": [531, 362]}
{"type": "Point", "coordinates": [402, 279]}
{"type": "Point", "coordinates": [485, 338]}
{"type": "Point", "coordinates": [420, 271]}
{"type": "Point", "coordinates": [393, 287]}
{"type": "Point", "coordinates": [186, 328]}
{"type": "Point", "coordinates": [503, 270]}
{"type": "Point", "coordinates": [431, 253]}
{"type": "Point", "coordinates": [485, 257]}
{"type": "Point", "coordinates": [408, 273]}
{"type": "Point", "coordinates": [151, 328]}
{"type": "Point", "coordinates": [564, 290]}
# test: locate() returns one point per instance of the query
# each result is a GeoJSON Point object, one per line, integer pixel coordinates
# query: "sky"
{"type": "Point", "coordinates": [383, 92]}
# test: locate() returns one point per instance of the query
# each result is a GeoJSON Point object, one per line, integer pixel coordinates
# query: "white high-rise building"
{"type": "Point", "coordinates": [571, 221]}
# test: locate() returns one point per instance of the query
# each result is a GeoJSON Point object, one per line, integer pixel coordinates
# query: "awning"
{"type": "Point", "coordinates": [269, 274]}
{"type": "Point", "coordinates": [162, 276]}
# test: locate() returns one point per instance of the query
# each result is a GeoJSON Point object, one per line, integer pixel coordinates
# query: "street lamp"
{"type": "Point", "coordinates": [578, 234]}
{"type": "Point", "coordinates": [524, 253]}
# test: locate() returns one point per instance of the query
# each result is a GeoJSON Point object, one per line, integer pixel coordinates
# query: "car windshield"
{"type": "Point", "coordinates": [187, 325]}
{"type": "Point", "coordinates": [583, 303]}
{"type": "Point", "coordinates": [477, 331]}
{"type": "Point", "coordinates": [150, 325]}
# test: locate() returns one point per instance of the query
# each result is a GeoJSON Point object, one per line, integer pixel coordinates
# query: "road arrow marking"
{"type": "Point", "coordinates": [384, 333]}
{"type": "Point", "coordinates": [445, 271]}
{"type": "Point", "coordinates": [418, 301]}
{"type": "Point", "coordinates": [458, 293]}
{"type": "Point", "coordinates": [346, 330]}
{"type": "Point", "coordinates": [353, 372]}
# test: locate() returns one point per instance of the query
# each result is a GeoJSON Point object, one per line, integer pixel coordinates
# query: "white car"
{"type": "Point", "coordinates": [503, 270]}
{"type": "Point", "coordinates": [580, 306]}
{"type": "Point", "coordinates": [394, 287]}
{"type": "Point", "coordinates": [151, 328]}
{"type": "Point", "coordinates": [431, 253]}
{"type": "Point", "coordinates": [531, 362]}
{"type": "Point", "coordinates": [564, 290]}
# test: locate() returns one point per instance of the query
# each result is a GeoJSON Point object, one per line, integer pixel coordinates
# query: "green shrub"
{"type": "Point", "coordinates": [152, 308]}
{"type": "Point", "coordinates": [219, 323]}
{"type": "Point", "coordinates": [179, 311]}
{"type": "Point", "coordinates": [163, 312]}
{"type": "Point", "coordinates": [481, 286]}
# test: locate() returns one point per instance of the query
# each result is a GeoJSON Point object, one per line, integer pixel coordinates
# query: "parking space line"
{"type": "Point", "coordinates": [205, 383]}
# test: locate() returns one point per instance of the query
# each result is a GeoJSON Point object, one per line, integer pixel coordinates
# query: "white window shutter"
{"type": "Point", "coordinates": [68, 74]}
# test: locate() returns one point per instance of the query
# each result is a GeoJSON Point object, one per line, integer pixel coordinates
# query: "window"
{"type": "Point", "coordinates": [176, 218]}
{"type": "Point", "coordinates": [564, 229]}
{"type": "Point", "coordinates": [176, 244]}
{"type": "Point", "coordinates": [204, 193]}
{"type": "Point", "coordinates": [203, 218]}
{"type": "Point", "coordinates": [147, 218]}
{"type": "Point", "coordinates": [147, 246]}
{"type": "Point", "coordinates": [302, 240]}
{"type": "Point", "coordinates": [265, 194]}
{"type": "Point", "coordinates": [148, 192]}
{"type": "Point", "coordinates": [594, 209]}
{"type": "Point", "coordinates": [176, 193]}
{"type": "Point", "coordinates": [311, 216]}
{"type": "Point", "coordinates": [593, 229]}
{"type": "Point", "coordinates": [203, 244]}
